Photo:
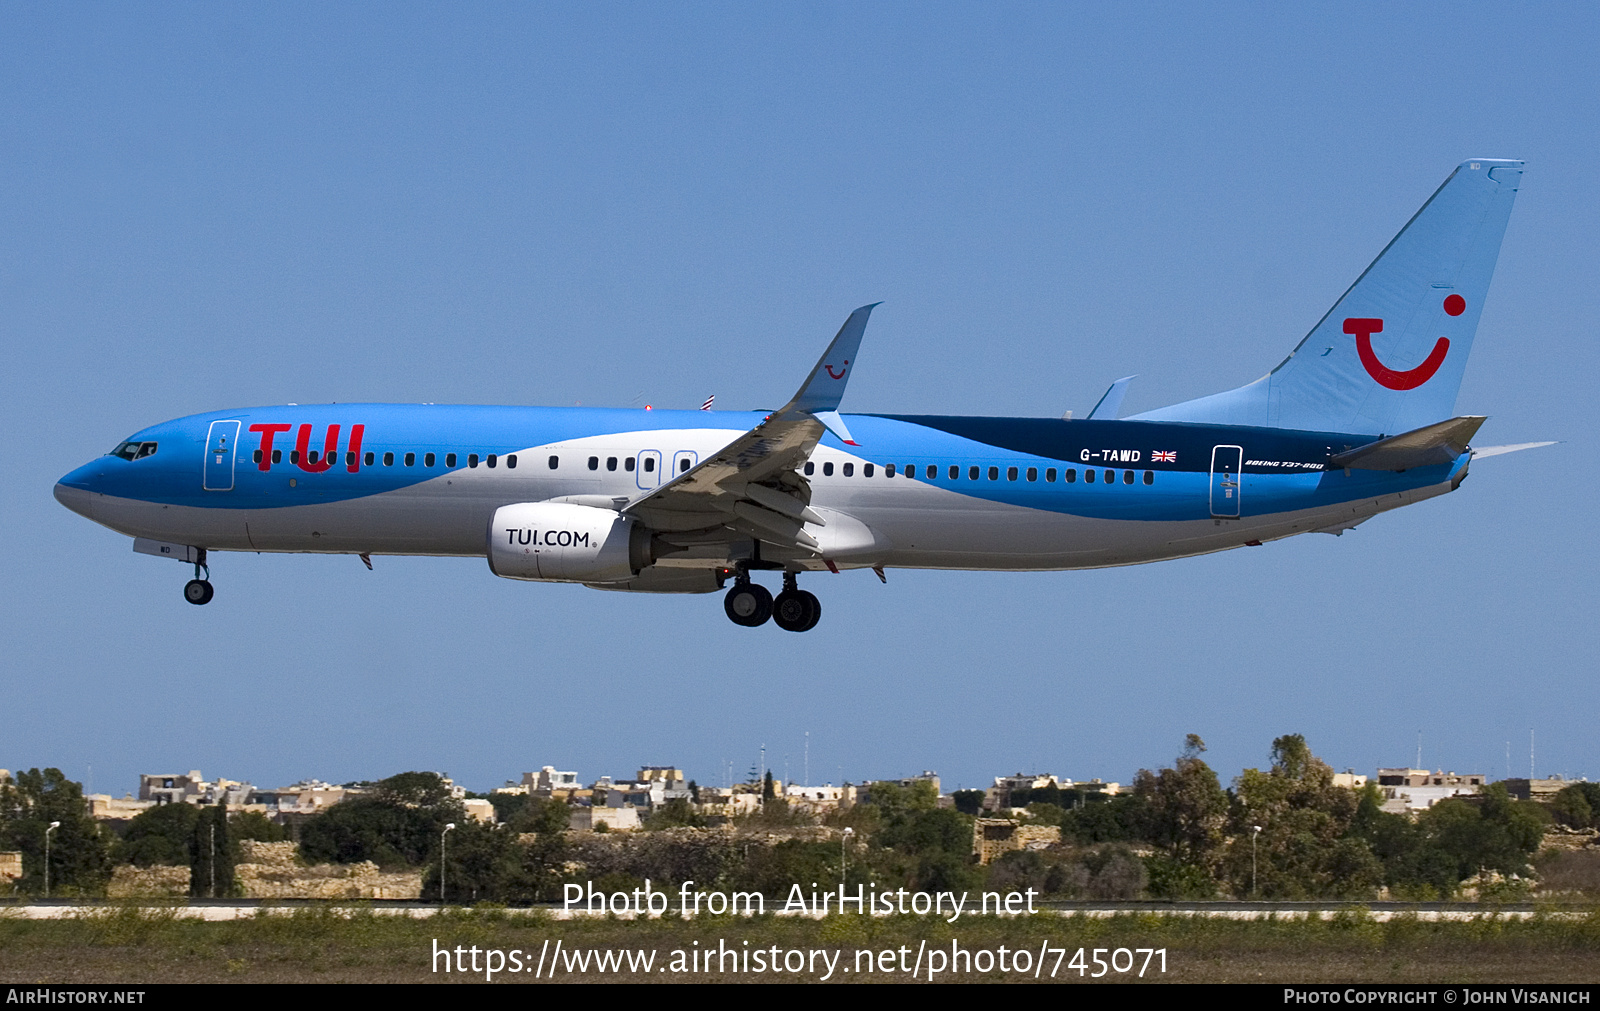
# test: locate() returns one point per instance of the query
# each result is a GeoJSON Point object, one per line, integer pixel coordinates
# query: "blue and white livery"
{"type": "Point", "coordinates": [1356, 421]}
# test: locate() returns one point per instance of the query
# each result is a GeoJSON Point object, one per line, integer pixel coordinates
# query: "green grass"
{"type": "Point", "coordinates": [133, 944]}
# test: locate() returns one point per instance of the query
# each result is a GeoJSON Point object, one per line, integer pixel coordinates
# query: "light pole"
{"type": "Point", "coordinates": [53, 826]}
{"type": "Point", "coordinates": [449, 827]}
{"type": "Point", "coordinates": [1255, 833]}
{"type": "Point", "coordinates": [844, 837]}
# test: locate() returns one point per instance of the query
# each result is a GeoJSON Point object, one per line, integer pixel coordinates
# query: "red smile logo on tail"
{"type": "Point", "coordinates": [842, 369]}
{"type": "Point", "coordinates": [1390, 378]}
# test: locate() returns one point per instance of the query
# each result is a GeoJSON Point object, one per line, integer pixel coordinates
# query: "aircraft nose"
{"type": "Point", "coordinates": [77, 491]}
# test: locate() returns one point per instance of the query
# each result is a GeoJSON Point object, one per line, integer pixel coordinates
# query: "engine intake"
{"type": "Point", "coordinates": [560, 542]}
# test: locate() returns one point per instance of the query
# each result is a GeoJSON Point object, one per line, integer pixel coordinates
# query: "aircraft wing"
{"type": "Point", "coordinates": [753, 485]}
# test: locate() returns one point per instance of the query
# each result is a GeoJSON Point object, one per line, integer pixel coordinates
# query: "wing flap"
{"type": "Point", "coordinates": [752, 486]}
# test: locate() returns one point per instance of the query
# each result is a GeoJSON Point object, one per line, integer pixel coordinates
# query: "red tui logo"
{"type": "Point", "coordinates": [1385, 376]}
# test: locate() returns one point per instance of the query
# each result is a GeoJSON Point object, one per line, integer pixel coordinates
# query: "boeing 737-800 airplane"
{"type": "Point", "coordinates": [1356, 421]}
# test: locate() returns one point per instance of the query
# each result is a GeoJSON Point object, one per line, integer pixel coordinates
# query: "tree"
{"type": "Point", "coordinates": [212, 855]}
{"type": "Point", "coordinates": [1186, 809]}
{"type": "Point", "coordinates": [80, 861]}
{"type": "Point", "coordinates": [1577, 805]}
{"type": "Point", "coordinates": [768, 791]}
{"type": "Point", "coordinates": [398, 824]}
{"type": "Point", "coordinates": [157, 835]}
{"type": "Point", "coordinates": [968, 801]}
{"type": "Point", "coordinates": [255, 826]}
{"type": "Point", "coordinates": [1304, 849]}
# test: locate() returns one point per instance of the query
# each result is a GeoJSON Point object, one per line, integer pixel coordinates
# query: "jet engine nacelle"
{"type": "Point", "coordinates": [564, 542]}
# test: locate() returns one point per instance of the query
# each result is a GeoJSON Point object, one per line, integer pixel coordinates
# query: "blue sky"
{"type": "Point", "coordinates": [211, 207]}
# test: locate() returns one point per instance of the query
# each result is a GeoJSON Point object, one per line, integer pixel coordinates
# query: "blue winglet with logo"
{"type": "Point", "coordinates": [819, 396]}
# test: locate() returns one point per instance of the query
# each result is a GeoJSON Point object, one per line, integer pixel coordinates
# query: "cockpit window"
{"type": "Point", "coordinates": [135, 450]}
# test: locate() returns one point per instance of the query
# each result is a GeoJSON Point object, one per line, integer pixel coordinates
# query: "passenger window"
{"type": "Point", "coordinates": [388, 459]}
{"type": "Point", "coordinates": [472, 459]}
{"type": "Point", "coordinates": [369, 459]}
{"type": "Point", "coordinates": [594, 463]}
{"type": "Point", "coordinates": [972, 473]}
{"type": "Point", "coordinates": [811, 468]}
{"type": "Point", "coordinates": [1111, 477]}
{"type": "Point", "coordinates": [1011, 473]}
{"type": "Point", "coordinates": [850, 469]}
{"type": "Point", "coordinates": [1149, 477]}
{"type": "Point", "coordinates": [449, 459]}
{"type": "Point", "coordinates": [867, 470]}
{"type": "Point", "coordinates": [933, 472]}
{"type": "Point", "coordinates": [511, 461]}
{"type": "Point", "coordinates": [627, 465]}
{"type": "Point", "coordinates": [311, 457]}
{"type": "Point", "coordinates": [1050, 475]}
{"type": "Point", "coordinates": [277, 456]}
{"type": "Point", "coordinates": [491, 460]}
{"type": "Point", "coordinates": [994, 473]}
{"type": "Point", "coordinates": [294, 456]}
{"type": "Point", "coordinates": [911, 470]}
{"type": "Point", "coordinates": [427, 461]}
{"type": "Point", "coordinates": [683, 465]}
{"type": "Point", "coordinates": [1033, 473]}
{"type": "Point", "coordinates": [888, 470]}
{"type": "Point", "coordinates": [649, 464]}
{"type": "Point", "coordinates": [955, 472]}
{"type": "Point", "coordinates": [257, 456]}
{"type": "Point", "coordinates": [411, 459]}
{"type": "Point", "coordinates": [1072, 475]}
{"type": "Point", "coordinates": [611, 463]}
{"type": "Point", "coordinates": [1088, 476]}
{"type": "Point", "coordinates": [827, 470]}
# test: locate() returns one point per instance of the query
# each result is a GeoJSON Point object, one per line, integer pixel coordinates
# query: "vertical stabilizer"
{"type": "Point", "coordinates": [1390, 354]}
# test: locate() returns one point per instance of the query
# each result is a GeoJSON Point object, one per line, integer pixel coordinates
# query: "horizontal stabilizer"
{"type": "Point", "coordinates": [1110, 404]}
{"type": "Point", "coordinates": [1428, 446]}
{"type": "Point", "coordinates": [1488, 451]}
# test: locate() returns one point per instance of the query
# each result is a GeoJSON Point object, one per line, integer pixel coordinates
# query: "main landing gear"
{"type": "Point", "coordinates": [198, 590]}
{"type": "Point", "coordinates": [750, 604]}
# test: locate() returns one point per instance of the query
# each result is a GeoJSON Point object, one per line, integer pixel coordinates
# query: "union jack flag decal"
{"type": "Point", "coordinates": [1164, 456]}
{"type": "Point", "coordinates": [709, 401]}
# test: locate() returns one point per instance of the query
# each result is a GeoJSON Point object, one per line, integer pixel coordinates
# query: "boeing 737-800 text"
{"type": "Point", "coordinates": [1356, 421]}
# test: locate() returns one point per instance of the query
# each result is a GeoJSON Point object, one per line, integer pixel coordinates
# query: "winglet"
{"type": "Point", "coordinates": [835, 424]}
{"type": "Point", "coordinates": [824, 388]}
{"type": "Point", "coordinates": [1111, 402]}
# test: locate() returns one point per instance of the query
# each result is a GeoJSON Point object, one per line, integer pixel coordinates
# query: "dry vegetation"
{"type": "Point", "coordinates": [141, 945]}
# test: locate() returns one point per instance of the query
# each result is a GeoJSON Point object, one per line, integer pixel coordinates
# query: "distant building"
{"type": "Point", "coordinates": [192, 788]}
{"type": "Point", "coordinates": [926, 776]}
{"type": "Point", "coordinates": [992, 837]}
{"type": "Point", "coordinates": [1406, 791]}
{"type": "Point", "coordinates": [10, 869]}
{"type": "Point", "coordinates": [479, 809]}
{"type": "Point", "coordinates": [104, 807]}
{"type": "Point", "coordinates": [1349, 780]}
{"type": "Point", "coordinates": [1537, 789]}
{"type": "Point", "coordinates": [615, 819]}
{"type": "Point", "coordinates": [548, 780]}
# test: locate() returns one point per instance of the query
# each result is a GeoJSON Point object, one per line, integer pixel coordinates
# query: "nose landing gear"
{"type": "Point", "coordinates": [198, 590]}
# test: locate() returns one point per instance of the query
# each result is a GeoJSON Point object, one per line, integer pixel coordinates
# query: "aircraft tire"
{"type": "Point", "coordinates": [791, 611]}
{"type": "Point", "coordinates": [748, 604]}
{"type": "Point", "coordinates": [198, 591]}
{"type": "Point", "coordinates": [814, 606]}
